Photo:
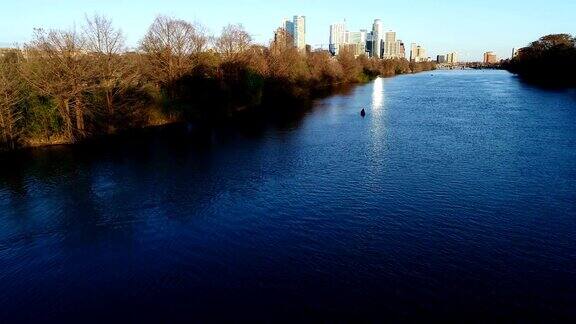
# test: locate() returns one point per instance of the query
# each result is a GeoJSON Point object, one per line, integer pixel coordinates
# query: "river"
{"type": "Point", "coordinates": [454, 198]}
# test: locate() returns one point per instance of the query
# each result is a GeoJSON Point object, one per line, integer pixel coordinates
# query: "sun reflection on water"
{"type": "Point", "coordinates": [377, 129]}
{"type": "Point", "coordinates": [378, 95]}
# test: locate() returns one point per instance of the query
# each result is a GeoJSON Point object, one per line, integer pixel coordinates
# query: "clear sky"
{"type": "Point", "coordinates": [469, 27]}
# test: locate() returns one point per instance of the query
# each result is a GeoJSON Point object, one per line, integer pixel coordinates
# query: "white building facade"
{"type": "Point", "coordinates": [299, 32]}
{"type": "Point", "coordinates": [296, 28]}
{"type": "Point", "coordinates": [451, 58]}
{"type": "Point", "coordinates": [392, 46]}
{"type": "Point", "coordinates": [417, 53]}
{"type": "Point", "coordinates": [337, 37]}
{"type": "Point", "coordinates": [377, 38]}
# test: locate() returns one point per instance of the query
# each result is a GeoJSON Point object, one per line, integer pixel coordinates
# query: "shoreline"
{"type": "Point", "coordinates": [197, 78]}
{"type": "Point", "coordinates": [233, 117]}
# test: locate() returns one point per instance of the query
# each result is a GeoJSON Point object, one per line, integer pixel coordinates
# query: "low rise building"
{"type": "Point", "coordinates": [490, 58]}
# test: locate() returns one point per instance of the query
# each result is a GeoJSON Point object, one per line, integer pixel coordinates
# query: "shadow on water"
{"type": "Point", "coordinates": [51, 162]}
{"type": "Point", "coordinates": [85, 194]}
{"type": "Point", "coordinates": [545, 85]}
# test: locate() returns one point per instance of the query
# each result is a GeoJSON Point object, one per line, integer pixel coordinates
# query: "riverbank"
{"type": "Point", "coordinates": [275, 100]}
{"type": "Point", "coordinates": [65, 87]}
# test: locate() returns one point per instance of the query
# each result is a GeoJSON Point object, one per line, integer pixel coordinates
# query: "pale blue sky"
{"type": "Point", "coordinates": [469, 27]}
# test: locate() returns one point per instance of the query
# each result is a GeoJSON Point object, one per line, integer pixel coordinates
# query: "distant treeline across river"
{"type": "Point", "coordinates": [549, 61]}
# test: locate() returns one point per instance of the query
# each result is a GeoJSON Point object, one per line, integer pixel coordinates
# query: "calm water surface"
{"type": "Point", "coordinates": [454, 198]}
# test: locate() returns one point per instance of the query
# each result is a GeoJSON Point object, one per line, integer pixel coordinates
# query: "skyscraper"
{"type": "Point", "coordinates": [393, 48]}
{"type": "Point", "coordinates": [422, 54]}
{"type": "Point", "coordinates": [390, 50]}
{"type": "Point", "coordinates": [363, 36]}
{"type": "Point", "coordinates": [299, 32]}
{"type": "Point", "coordinates": [402, 49]}
{"type": "Point", "coordinates": [288, 26]}
{"type": "Point", "coordinates": [452, 58]}
{"type": "Point", "coordinates": [377, 38]}
{"type": "Point", "coordinates": [356, 41]}
{"type": "Point", "coordinates": [417, 53]}
{"type": "Point", "coordinates": [337, 37]}
{"type": "Point", "coordinates": [413, 52]}
{"type": "Point", "coordinates": [369, 43]}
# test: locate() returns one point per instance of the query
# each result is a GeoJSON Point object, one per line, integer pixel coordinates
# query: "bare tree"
{"type": "Point", "coordinates": [172, 48]}
{"type": "Point", "coordinates": [350, 66]}
{"type": "Point", "coordinates": [286, 62]}
{"type": "Point", "coordinates": [101, 37]}
{"type": "Point", "coordinates": [323, 68]}
{"type": "Point", "coordinates": [11, 96]}
{"type": "Point", "coordinates": [59, 69]}
{"type": "Point", "coordinates": [257, 60]}
{"type": "Point", "coordinates": [234, 43]}
{"type": "Point", "coordinates": [106, 45]}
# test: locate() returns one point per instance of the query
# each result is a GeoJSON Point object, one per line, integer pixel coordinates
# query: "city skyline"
{"type": "Point", "coordinates": [441, 27]}
{"type": "Point", "coordinates": [374, 43]}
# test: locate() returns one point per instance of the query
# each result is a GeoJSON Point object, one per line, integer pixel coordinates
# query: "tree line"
{"type": "Point", "coordinates": [67, 85]}
{"type": "Point", "coordinates": [551, 60]}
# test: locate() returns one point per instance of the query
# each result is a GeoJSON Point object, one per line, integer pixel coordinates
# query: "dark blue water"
{"type": "Point", "coordinates": [453, 199]}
